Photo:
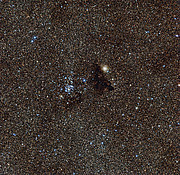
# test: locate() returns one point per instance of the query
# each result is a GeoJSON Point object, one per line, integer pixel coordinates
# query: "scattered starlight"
{"type": "Point", "coordinates": [89, 87]}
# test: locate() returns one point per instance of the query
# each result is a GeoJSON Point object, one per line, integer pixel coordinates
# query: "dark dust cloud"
{"type": "Point", "coordinates": [63, 113]}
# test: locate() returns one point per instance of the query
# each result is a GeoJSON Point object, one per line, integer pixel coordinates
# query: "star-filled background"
{"type": "Point", "coordinates": [61, 113]}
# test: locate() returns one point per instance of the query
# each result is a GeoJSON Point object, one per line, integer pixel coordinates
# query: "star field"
{"type": "Point", "coordinates": [89, 87]}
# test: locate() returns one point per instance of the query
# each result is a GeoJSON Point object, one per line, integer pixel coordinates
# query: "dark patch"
{"type": "Point", "coordinates": [76, 99]}
{"type": "Point", "coordinates": [98, 80]}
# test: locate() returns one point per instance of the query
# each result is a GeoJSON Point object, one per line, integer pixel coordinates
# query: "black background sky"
{"type": "Point", "coordinates": [57, 114]}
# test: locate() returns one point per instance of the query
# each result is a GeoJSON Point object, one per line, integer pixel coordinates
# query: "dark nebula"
{"type": "Point", "coordinates": [98, 80]}
{"type": "Point", "coordinates": [61, 114]}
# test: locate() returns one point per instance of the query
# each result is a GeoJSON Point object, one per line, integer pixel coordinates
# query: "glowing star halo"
{"type": "Point", "coordinates": [104, 68]}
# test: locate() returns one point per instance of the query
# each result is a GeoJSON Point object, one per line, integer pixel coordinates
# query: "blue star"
{"type": "Point", "coordinates": [33, 39]}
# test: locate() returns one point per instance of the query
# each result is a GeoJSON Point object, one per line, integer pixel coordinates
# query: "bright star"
{"type": "Point", "coordinates": [105, 68]}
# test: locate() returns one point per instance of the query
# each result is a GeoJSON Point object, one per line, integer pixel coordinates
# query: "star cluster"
{"type": "Point", "coordinates": [89, 87]}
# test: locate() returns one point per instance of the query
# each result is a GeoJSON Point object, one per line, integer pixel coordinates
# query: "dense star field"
{"type": "Point", "coordinates": [89, 87]}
